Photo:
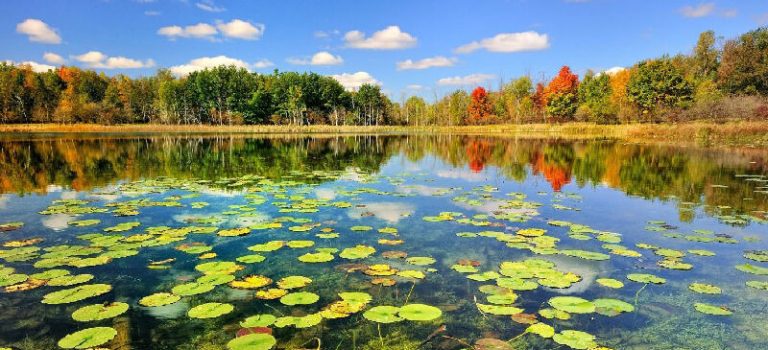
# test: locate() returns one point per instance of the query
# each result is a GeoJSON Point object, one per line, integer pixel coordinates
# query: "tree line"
{"type": "Point", "coordinates": [716, 81]}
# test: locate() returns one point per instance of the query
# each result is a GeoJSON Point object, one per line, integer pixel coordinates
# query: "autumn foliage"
{"type": "Point", "coordinates": [480, 108]}
{"type": "Point", "coordinates": [565, 82]}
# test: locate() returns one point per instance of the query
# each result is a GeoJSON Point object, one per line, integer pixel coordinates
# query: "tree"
{"type": "Point", "coordinates": [744, 66]}
{"type": "Point", "coordinates": [561, 94]}
{"type": "Point", "coordinates": [618, 82]}
{"type": "Point", "coordinates": [480, 108]}
{"type": "Point", "coordinates": [706, 57]}
{"type": "Point", "coordinates": [658, 83]}
{"type": "Point", "coordinates": [595, 98]}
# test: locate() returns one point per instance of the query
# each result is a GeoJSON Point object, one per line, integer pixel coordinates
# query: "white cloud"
{"type": "Point", "coordinates": [414, 87]}
{"type": "Point", "coordinates": [390, 38]}
{"type": "Point", "coordinates": [263, 63]}
{"type": "Point", "coordinates": [614, 70]}
{"type": "Point", "coordinates": [437, 61]}
{"type": "Point", "coordinates": [509, 42]}
{"type": "Point", "coordinates": [198, 31]}
{"type": "Point", "coordinates": [35, 66]}
{"type": "Point", "coordinates": [240, 29]}
{"type": "Point", "coordinates": [210, 6]}
{"type": "Point", "coordinates": [730, 13]}
{"type": "Point", "coordinates": [353, 81]}
{"type": "Point", "coordinates": [96, 59]}
{"type": "Point", "coordinates": [700, 10]}
{"type": "Point", "coordinates": [38, 31]}
{"type": "Point", "coordinates": [207, 62]}
{"type": "Point", "coordinates": [325, 58]}
{"type": "Point", "coordinates": [53, 58]}
{"type": "Point", "coordinates": [472, 79]}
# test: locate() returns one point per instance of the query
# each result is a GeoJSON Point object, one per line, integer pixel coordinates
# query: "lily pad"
{"type": "Point", "coordinates": [78, 293]}
{"type": "Point", "coordinates": [420, 260]}
{"type": "Point", "coordinates": [541, 329]}
{"type": "Point", "coordinates": [210, 310]}
{"type": "Point", "coordinates": [99, 311]}
{"type": "Point", "coordinates": [610, 283]}
{"type": "Point", "coordinates": [704, 288]}
{"type": "Point", "coordinates": [299, 298]}
{"type": "Point", "coordinates": [159, 299]}
{"type": "Point", "coordinates": [575, 339]}
{"type": "Point", "coordinates": [755, 270]}
{"type": "Point", "coordinates": [574, 305]}
{"type": "Point", "coordinates": [294, 282]}
{"type": "Point", "coordinates": [192, 288]}
{"type": "Point", "coordinates": [499, 310]}
{"type": "Point", "coordinates": [88, 338]}
{"type": "Point", "coordinates": [263, 320]}
{"type": "Point", "coordinates": [710, 309]}
{"type": "Point", "coordinates": [758, 285]}
{"type": "Point", "coordinates": [316, 257]}
{"type": "Point", "coordinates": [612, 307]}
{"type": "Point", "coordinates": [419, 312]}
{"type": "Point", "coordinates": [383, 314]}
{"type": "Point", "coordinates": [256, 341]}
{"type": "Point", "coordinates": [357, 252]}
{"type": "Point", "coordinates": [646, 278]}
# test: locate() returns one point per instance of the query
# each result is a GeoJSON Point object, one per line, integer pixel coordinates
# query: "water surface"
{"type": "Point", "coordinates": [608, 209]}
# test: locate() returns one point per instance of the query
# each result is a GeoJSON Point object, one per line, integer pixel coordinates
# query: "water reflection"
{"type": "Point", "coordinates": [688, 176]}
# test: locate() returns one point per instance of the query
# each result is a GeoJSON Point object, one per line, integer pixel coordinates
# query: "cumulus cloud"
{"type": "Point", "coordinates": [472, 79]}
{"type": "Point", "coordinates": [236, 28]}
{"type": "Point", "coordinates": [35, 66]}
{"type": "Point", "coordinates": [210, 6]}
{"type": "Point", "coordinates": [437, 61]}
{"type": "Point", "coordinates": [509, 42]}
{"type": "Point", "coordinates": [96, 59]}
{"type": "Point", "coordinates": [390, 38]}
{"type": "Point", "coordinates": [53, 58]}
{"type": "Point", "coordinates": [240, 29]}
{"type": "Point", "coordinates": [700, 10]}
{"type": "Point", "coordinates": [353, 81]}
{"type": "Point", "coordinates": [38, 31]}
{"type": "Point", "coordinates": [207, 62]}
{"type": "Point", "coordinates": [197, 31]}
{"type": "Point", "coordinates": [264, 63]}
{"type": "Point", "coordinates": [322, 58]}
{"type": "Point", "coordinates": [614, 70]}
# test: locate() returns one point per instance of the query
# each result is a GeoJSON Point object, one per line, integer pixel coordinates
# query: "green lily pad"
{"type": "Point", "coordinates": [610, 283]}
{"type": "Point", "coordinates": [710, 309]}
{"type": "Point", "coordinates": [88, 338]}
{"type": "Point", "coordinates": [215, 280]}
{"type": "Point", "coordinates": [15, 278]}
{"type": "Point", "coordinates": [294, 282]}
{"type": "Point", "coordinates": [307, 321]}
{"type": "Point", "coordinates": [78, 293]}
{"type": "Point", "coordinates": [267, 247]}
{"type": "Point", "coordinates": [575, 339]}
{"type": "Point", "coordinates": [356, 297]}
{"type": "Point", "coordinates": [755, 270]}
{"type": "Point", "coordinates": [218, 267]}
{"type": "Point", "coordinates": [299, 298]}
{"type": "Point", "coordinates": [646, 278]}
{"type": "Point", "coordinates": [705, 288]}
{"type": "Point", "coordinates": [192, 288]}
{"type": "Point", "coordinates": [210, 310]}
{"type": "Point", "coordinates": [99, 311]}
{"type": "Point", "coordinates": [159, 299]}
{"type": "Point", "coordinates": [256, 341]}
{"type": "Point", "coordinates": [251, 259]}
{"type": "Point", "coordinates": [419, 312]}
{"type": "Point", "coordinates": [357, 252]}
{"type": "Point", "coordinates": [541, 329]}
{"type": "Point", "coordinates": [69, 280]}
{"type": "Point", "coordinates": [316, 257]}
{"type": "Point", "coordinates": [758, 285]}
{"type": "Point", "coordinates": [574, 305]}
{"type": "Point", "coordinates": [263, 320]}
{"type": "Point", "coordinates": [612, 307]}
{"type": "Point", "coordinates": [420, 260]}
{"type": "Point", "coordinates": [383, 314]}
{"type": "Point", "coordinates": [584, 254]}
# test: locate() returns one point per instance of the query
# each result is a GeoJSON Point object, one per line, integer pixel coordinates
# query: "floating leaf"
{"type": "Point", "coordinates": [192, 288]}
{"type": "Point", "coordinates": [499, 310]}
{"type": "Point", "coordinates": [159, 299]}
{"type": "Point", "coordinates": [574, 305]}
{"type": "Point", "coordinates": [612, 307]}
{"type": "Point", "coordinates": [610, 283]}
{"type": "Point", "coordinates": [299, 298]}
{"type": "Point", "coordinates": [357, 252]}
{"type": "Point", "coordinates": [575, 339]}
{"type": "Point", "coordinates": [646, 278]}
{"type": "Point", "coordinates": [420, 260]}
{"type": "Point", "coordinates": [263, 320]}
{"type": "Point", "coordinates": [704, 288]}
{"type": "Point", "coordinates": [383, 314]}
{"type": "Point", "coordinates": [210, 310]}
{"type": "Point", "coordinates": [99, 311]}
{"type": "Point", "coordinates": [755, 270]}
{"type": "Point", "coordinates": [78, 293]}
{"type": "Point", "coordinates": [541, 329]}
{"type": "Point", "coordinates": [257, 341]}
{"type": "Point", "coordinates": [316, 257]}
{"type": "Point", "coordinates": [271, 293]}
{"type": "Point", "coordinates": [251, 282]}
{"type": "Point", "coordinates": [294, 282]}
{"type": "Point", "coordinates": [712, 309]}
{"type": "Point", "coordinates": [88, 338]}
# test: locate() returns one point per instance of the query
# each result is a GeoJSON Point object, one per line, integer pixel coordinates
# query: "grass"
{"type": "Point", "coordinates": [710, 134]}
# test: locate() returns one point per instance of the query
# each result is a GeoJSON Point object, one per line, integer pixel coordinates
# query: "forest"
{"type": "Point", "coordinates": [719, 80]}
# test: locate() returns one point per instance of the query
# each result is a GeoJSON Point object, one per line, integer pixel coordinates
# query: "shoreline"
{"type": "Point", "coordinates": [749, 134]}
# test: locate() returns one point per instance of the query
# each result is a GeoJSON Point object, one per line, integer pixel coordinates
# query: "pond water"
{"type": "Point", "coordinates": [434, 242]}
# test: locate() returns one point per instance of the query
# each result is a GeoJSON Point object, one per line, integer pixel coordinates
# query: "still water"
{"type": "Point", "coordinates": [380, 242]}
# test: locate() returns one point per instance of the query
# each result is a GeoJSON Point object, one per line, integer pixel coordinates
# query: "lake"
{"type": "Point", "coordinates": [380, 242]}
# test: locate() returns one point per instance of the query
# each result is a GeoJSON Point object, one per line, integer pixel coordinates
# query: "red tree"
{"type": "Point", "coordinates": [564, 82]}
{"type": "Point", "coordinates": [540, 97]}
{"type": "Point", "coordinates": [479, 107]}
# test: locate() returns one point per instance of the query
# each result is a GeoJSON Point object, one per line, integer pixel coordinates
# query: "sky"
{"type": "Point", "coordinates": [421, 47]}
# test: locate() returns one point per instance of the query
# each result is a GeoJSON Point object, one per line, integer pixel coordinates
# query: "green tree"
{"type": "Point", "coordinates": [595, 98]}
{"type": "Point", "coordinates": [658, 83]}
{"type": "Point", "coordinates": [744, 66]}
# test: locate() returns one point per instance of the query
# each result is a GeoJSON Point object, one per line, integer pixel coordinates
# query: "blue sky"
{"type": "Point", "coordinates": [450, 44]}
